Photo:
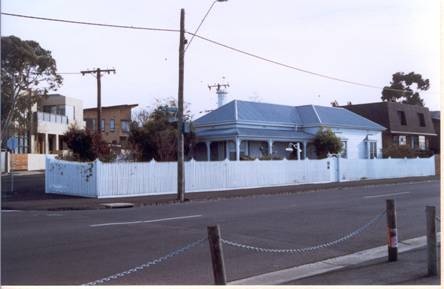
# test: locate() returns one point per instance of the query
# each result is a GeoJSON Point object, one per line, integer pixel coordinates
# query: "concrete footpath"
{"type": "Point", "coordinates": [368, 267]}
{"type": "Point", "coordinates": [29, 194]}
{"type": "Point", "coordinates": [410, 269]}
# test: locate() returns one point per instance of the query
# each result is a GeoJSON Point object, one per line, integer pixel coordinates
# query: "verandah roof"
{"type": "Point", "coordinates": [254, 133]}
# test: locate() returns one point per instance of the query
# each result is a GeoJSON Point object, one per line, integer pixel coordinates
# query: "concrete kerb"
{"type": "Point", "coordinates": [78, 203]}
{"type": "Point", "coordinates": [328, 265]}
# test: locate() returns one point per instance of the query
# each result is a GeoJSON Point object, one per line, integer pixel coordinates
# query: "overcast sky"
{"type": "Point", "coordinates": [363, 41]}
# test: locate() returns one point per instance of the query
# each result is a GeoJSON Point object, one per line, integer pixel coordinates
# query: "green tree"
{"type": "Point", "coordinates": [326, 142]}
{"type": "Point", "coordinates": [28, 72]}
{"type": "Point", "coordinates": [86, 145]}
{"type": "Point", "coordinates": [154, 134]}
{"type": "Point", "coordinates": [400, 89]}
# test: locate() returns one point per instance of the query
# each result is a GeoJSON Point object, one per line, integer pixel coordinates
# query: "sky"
{"type": "Point", "coordinates": [362, 41]}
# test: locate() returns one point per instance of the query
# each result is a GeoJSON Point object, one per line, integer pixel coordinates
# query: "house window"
{"type": "Point", "coordinates": [421, 119]}
{"type": "Point", "coordinates": [415, 143]}
{"type": "Point", "coordinates": [112, 124]}
{"type": "Point", "coordinates": [422, 142]}
{"type": "Point", "coordinates": [401, 116]}
{"type": "Point", "coordinates": [88, 122]}
{"type": "Point", "coordinates": [124, 125]}
{"type": "Point", "coordinates": [344, 150]}
{"type": "Point", "coordinates": [372, 150]}
{"type": "Point", "coordinates": [94, 126]}
{"type": "Point", "coordinates": [402, 140]}
{"type": "Point", "coordinates": [102, 125]}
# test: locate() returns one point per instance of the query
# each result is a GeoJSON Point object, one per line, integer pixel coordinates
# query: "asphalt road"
{"type": "Point", "coordinates": [77, 247]}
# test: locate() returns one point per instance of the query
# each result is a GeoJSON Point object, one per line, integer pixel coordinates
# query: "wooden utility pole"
{"type": "Point", "coordinates": [98, 73]}
{"type": "Point", "coordinates": [432, 250]}
{"type": "Point", "coordinates": [180, 138]}
{"type": "Point", "coordinates": [392, 232]}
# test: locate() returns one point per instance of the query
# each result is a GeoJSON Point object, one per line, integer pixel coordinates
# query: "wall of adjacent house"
{"type": "Point", "coordinates": [109, 180]}
{"type": "Point", "coordinates": [116, 134]}
{"type": "Point", "coordinates": [51, 127]}
{"type": "Point", "coordinates": [4, 161]}
{"type": "Point", "coordinates": [36, 162]}
{"type": "Point", "coordinates": [24, 162]}
{"type": "Point", "coordinates": [356, 145]}
{"type": "Point", "coordinates": [65, 100]}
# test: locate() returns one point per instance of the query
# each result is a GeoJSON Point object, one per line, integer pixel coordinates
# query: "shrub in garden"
{"type": "Point", "coordinates": [326, 142]}
{"type": "Point", "coordinates": [402, 151]}
{"type": "Point", "coordinates": [86, 145]}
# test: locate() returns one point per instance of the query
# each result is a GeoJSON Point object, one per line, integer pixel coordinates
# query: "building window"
{"type": "Point", "coordinates": [112, 124]}
{"type": "Point", "coordinates": [421, 119]}
{"type": "Point", "coordinates": [422, 142]}
{"type": "Point", "coordinates": [402, 140]}
{"type": "Point", "coordinates": [401, 116]}
{"type": "Point", "coordinates": [102, 125]}
{"type": "Point", "coordinates": [66, 110]}
{"type": "Point", "coordinates": [344, 150]}
{"type": "Point", "coordinates": [415, 143]}
{"type": "Point", "coordinates": [124, 125]}
{"type": "Point", "coordinates": [373, 150]}
{"type": "Point", "coordinates": [94, 126]}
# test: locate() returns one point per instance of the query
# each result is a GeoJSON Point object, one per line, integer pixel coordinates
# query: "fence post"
{"type": "Point", "coordinates": [432, 261]}
{"type": "Point", "coordinates": [392, 233]}
{"type": "Point", "coordinates": [217, 256]}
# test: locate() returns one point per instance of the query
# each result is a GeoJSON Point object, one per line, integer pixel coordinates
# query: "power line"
{"type": "Point", "coordinates": [282, 64]}
{"type": "Point", "coordinates": [63, 73]}
{"type": "Point", "coordinates": [200, 24]}
{"type": "Point", "coordinates": [91, 23]}
{"type": "Point", "coordinates": [210, 41]}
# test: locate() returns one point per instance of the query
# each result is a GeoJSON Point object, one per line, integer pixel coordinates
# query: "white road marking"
{"type": "Point", "coordinates": [387, 195]}
{"type": "Point", "coordinates": [10, 211]}
{"type": "Point", "coordinates": [147, 221]}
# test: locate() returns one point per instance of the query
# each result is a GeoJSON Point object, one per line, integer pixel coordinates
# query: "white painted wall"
{"type": "Point", "coordinates": [385, 168]}
{"type": "Point", "coordinates": [3, 161]}
{"type": "Point", "coordinates": [109, 180]}
{"type": "Point", "coordinates": [51, 127]}
{"type": "Point", "coordinates": [36, 162]}
{"type": "Point", "coordinates": [355, 140]}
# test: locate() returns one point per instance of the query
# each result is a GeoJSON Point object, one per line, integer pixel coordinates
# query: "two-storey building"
{"type": "Point", "coordinates": [55, 114]}
{"type": "Point", "coordinates": [114, 124]}
{"type": "Point", "coordinates": [51, 117]}
{"type": "Point", "coordinates": [407, 125]}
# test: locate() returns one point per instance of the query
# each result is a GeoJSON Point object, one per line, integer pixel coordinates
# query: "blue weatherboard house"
{"type": "Point", "coordinates": [248, 130]}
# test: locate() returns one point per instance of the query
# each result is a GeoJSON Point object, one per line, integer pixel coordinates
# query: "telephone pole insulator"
{"type": "Point", "coordinates": [221, 92]}
{"type": "Point", "coordinates": [98, 72]}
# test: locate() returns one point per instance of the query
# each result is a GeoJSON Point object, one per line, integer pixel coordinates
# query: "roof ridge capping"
{"type": "Point", "coordinates": [113, 106]}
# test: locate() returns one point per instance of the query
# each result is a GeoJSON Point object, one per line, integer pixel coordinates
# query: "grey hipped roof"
{"type": "Point", "coordinates": [238, 111]}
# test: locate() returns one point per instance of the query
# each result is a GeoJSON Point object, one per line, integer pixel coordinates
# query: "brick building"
{"type": "Point", "coordinates": [114, 124]}
{"type": "Point", "coordinates": [407, 125]}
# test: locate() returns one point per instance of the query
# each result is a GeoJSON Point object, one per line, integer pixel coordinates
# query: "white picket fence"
{"type": "Point", "coordinates": [109, 180]}
{"type": "Point", "coordinates": [71, 178]}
